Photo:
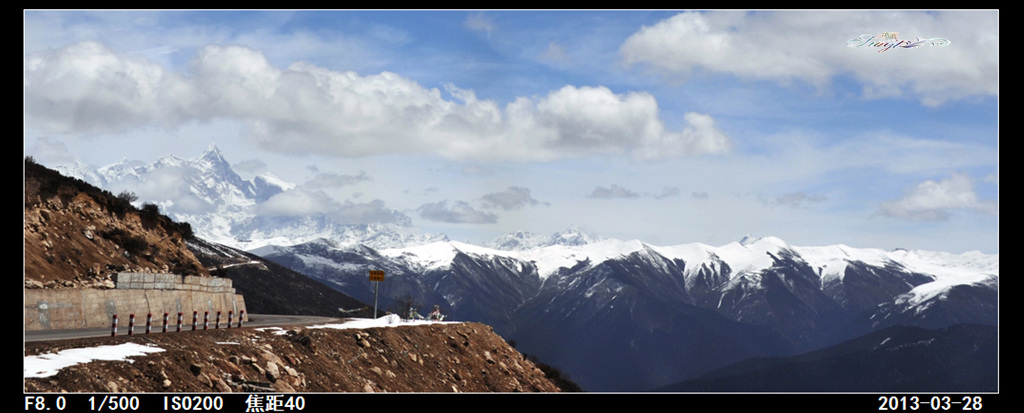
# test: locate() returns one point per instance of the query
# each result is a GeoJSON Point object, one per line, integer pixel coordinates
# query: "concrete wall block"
{"type": "Point", "coordinates": [61, 309]}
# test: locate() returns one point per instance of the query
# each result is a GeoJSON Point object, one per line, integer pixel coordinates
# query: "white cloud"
{"type": "Point", "coordinates": [306, 109]}
{"type": "Point", "coordinates": [932, 201]}
{"type": "Point", "coordinates": [373, 212]}
{"type": "Point", "coordinates": [334, 180]}
{"type": "Point", "coordinates": [52, 151]}
{"type": "Point", "coordinates": [301, 202]}
{"type": "Point", "coordinates": [795, 199]}
{"type": "Point", "coordinates": [613, 191]}
{"type": "Point", "coordinates": [250, 166]}
{"type": "Point", "coordinates": [555, 53]}
{"type": "Point", "coordinates": [515, 197]}
{"type": "Point", "coordinates": [459, 213]}
{"type": "Point", "coordinates": [810, 46]}
{"type": "Point", "coordinates": [169, 187]}
{"type": "Point", "coordinates": [668, 192]}
{"type": "Point", "coordinates": [480, 22]}
{"type": "Point", "coordinates": [297, 202]}
{"type": "Point", "coordinates": [87, 88]}
{"type": "Point", "coordinates": [593, 120]}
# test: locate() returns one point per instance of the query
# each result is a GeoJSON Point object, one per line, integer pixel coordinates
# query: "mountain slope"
{"type": "Point", "coordinates": [77, 235]}
{"type": "Point", "coordinates": [960, 358]}
{"type": "Point", "coordinates": [270, 288]}
{"type": "Point", "coordinates": [655, 315]}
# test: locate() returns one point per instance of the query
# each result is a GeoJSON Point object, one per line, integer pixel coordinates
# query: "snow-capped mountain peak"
{"type": "Point", "coordinates": [574, 235]}
{"type": "Point", "coordinates": [225, 208]}
{"type": "Point", "coordinates": [522, 240]}
{"type": "Point", "coordinates": [517, 240]}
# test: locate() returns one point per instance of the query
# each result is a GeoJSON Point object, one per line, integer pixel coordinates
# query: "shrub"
{"type": "Point", "coordinates": [150, 208]}
{"type": "Point", "coordinates": [186, 230]}
{"type": "Point", "coordinates": [127, 196]}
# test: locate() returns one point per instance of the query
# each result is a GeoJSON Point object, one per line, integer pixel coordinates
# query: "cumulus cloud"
{"type": "Point", "coordinates": [595, 120]}
{"type": "Point", "coordinates": [334, 180]}
{"type": "Point", "coordinates": [307, 109]}
{"type": "Point", "coordinates": [251, 166]}
{"type": "Point", "coordinates": [87, 88]}
{"type": "Point", "coordinates": [613, 191]}
{"type": "Point", "coordinates": [515, 197]}
{"type": "Point", "coordinates": [373, 212]}
{"type": "Point", "coordinates": [667, 192]}
{"type": "Point", "coordinates": [458, 213]}
{"type": "Point", "coordinates": [301, 202]}
{"type": "Point", "coordinates": [932, 201]}
{"type": "Point", "coordinates": [297, 202]}
{"type": "Point", "coordinates": [795, 199]}
{"type": "Point", "coordinates": [169, 187]}
{"type": "Point", "coordinates": [810, 46]}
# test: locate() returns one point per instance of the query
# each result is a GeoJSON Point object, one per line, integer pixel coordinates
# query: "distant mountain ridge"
{"type": "Point", "coordinates": [656, 315]}
{"type": "Point", "coordinates": [960, 358]}
{"type": "Point", "coordinates": [524, 240]}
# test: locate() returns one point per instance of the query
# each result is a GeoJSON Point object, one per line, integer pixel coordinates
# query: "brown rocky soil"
{"type": "Point", "coordinates": [77, 236]}
{"type": "Point", "coordinates": [448, 357]}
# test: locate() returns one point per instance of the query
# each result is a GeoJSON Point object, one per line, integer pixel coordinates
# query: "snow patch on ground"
{"type": "Point", "coordinates": [46, 365]}
{"type": "Point", "coordinates": [390, 320]}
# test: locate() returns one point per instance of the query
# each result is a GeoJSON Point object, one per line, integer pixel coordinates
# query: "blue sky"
{"type": "Point", "coordinates": [665, 126]}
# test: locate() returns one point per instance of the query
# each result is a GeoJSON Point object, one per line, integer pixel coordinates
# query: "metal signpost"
{"type": "Point", "coordinates": [376, 276]}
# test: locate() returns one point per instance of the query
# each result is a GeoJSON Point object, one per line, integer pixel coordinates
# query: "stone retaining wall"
{"type": "Point", "coordinates": [153, 281]}
{"type": "Point", "coordinates": [140, 294]}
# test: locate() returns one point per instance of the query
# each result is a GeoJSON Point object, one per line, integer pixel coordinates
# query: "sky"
{"type": "Point", "coordinates": [672, 127]}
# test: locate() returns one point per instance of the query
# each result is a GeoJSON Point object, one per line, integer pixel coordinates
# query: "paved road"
{"type": "Point", "coordinates": [255, 320]}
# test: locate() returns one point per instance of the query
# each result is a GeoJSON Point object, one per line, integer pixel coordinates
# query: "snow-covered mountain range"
{"type": "Point", "coordinates": [651, 314]}
{"type": "Point", "coordinates": [620, 300]}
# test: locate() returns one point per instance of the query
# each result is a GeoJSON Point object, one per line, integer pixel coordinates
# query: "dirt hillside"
{"type": "Point", "coordinates": [456, 357]}
{"type": "Point", "coordinates": [77, 235]}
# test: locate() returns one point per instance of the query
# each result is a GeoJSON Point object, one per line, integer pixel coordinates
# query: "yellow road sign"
{"type": "Point", "coordinates": [376, 275]}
